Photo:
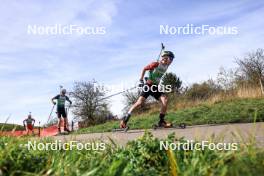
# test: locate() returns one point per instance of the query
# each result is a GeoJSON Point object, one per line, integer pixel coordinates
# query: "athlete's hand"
{"type": "Point", "coordinates": [141, 83]}
{"type": "Point", "coordinates": [54, 102]}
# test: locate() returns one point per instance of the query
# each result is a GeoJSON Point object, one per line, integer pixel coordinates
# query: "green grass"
{"type": "Point", "coordinates": [139, 157]}
{"type": "Point", "coordinates": [231, 111]}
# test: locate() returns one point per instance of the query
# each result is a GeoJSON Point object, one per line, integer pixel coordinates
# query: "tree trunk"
{"type": "Point", "coordinates": [261, 86]}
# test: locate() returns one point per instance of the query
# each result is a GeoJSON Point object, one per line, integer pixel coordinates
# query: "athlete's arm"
{"type": "Point", "coordinates": [151, 66]}
{"type": "Point", "coordinates": [54, 98]}
{"type": "Point", "coordinates": [33, 121]}
{"type": "Point", "coordinates": [142, 74]}
{"type": "Point", "coordinates": [67, 98]}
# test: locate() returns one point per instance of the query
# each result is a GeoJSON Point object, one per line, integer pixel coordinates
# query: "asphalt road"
{"type": "Point", "coordinates": [241, 133]}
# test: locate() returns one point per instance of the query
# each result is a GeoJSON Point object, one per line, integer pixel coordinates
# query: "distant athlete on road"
{"type": "Point", "coordinates": [29, 124]}
{"type": "Point", "coordinates": [156, 71]}
{"type": "Point", "coordinates": [61, 111]}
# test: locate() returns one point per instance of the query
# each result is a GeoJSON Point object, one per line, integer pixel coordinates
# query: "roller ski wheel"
{"type": "Point", "coordinates": [121, 129]}
{"type": "Point", "coordinates": [180, 126]}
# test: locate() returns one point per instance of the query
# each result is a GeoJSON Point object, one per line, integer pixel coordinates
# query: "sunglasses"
{"type": "Point", "coordinates": [165, 58]}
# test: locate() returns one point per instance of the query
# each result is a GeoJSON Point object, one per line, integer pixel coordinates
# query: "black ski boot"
{"type": "Point", "coordinates": [123, 123]}
{"type": "Point", "coordinates": [66, 129]}
{"type": "Point", "coordinates": [164, 124]}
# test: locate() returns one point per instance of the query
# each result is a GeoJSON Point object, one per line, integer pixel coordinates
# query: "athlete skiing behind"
{"type": "Point", "coordinates": [29, 124]}
{"type": "Point", "coordinates": [61, 111]}
{"type": "Point", "coordinates": [156, 71]}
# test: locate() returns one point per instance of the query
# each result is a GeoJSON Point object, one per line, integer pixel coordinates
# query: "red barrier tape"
{"type": "Point", "coordinates": [44, 132]}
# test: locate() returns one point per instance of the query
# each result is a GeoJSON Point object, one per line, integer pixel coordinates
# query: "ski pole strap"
{"type": "Point", "coordinates": [162, 46]}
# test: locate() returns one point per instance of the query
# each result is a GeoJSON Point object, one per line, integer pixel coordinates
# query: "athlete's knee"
{"type": "Point", "coordinates": [140, 101]}
{"type": "Point", "coordinates": [164, 100]}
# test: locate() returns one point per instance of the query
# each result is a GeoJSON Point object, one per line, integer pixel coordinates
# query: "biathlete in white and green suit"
{"type": "Point", "coordinates": [156, 71]}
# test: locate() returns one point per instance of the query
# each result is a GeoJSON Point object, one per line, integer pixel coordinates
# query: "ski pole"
{"type": "Point", "coordinates": [117, 93]}
{"type": "Point", "coordinates": [5, 122]}
{"type": "Point", "coordinates": [162, 48]}
{"type": "Point", "coordinates": [50, 113]}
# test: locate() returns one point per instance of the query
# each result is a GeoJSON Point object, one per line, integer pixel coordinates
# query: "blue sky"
{"type": "Point", "coordinates": [33, 67]}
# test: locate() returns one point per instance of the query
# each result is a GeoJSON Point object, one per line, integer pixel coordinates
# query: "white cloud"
{"type": "Point", "coordinates": [32, 67]}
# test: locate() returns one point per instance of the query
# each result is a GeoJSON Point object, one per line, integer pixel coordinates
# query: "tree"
{"type": "Point", "coordinates": [251, 68]}
{"type": "Point", "coordinates": [89, 104]}
{"type": "Point", "coordinates": [227, 78]}
{"type": "Point", "coordinates": [203, 91]}
{"type": "Point", "coordinates": [172, 80]}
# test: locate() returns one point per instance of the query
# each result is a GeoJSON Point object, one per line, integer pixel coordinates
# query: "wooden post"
{"type": "Point", "coordinates": [72, 125]}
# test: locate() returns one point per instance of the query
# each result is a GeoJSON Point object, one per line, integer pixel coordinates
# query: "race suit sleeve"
{"type": "Point", "coordinates": [56, 97]}
{"type": "Point", "coordinates": [151, 66]}
{"type": "Point", "coordinates": [67, 98]}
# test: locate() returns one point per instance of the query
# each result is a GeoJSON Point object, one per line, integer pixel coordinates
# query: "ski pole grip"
{"type": "Point", "coordinates": [162, 46]}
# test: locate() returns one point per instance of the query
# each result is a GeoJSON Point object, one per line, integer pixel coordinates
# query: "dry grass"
{"type": "Point", "coordinates": [177, 103]}
{"type": "Point", "coordinates": [249, 92]}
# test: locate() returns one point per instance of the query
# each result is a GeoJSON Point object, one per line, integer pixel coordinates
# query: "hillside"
{"type": "Point", "coordinates": [10, 127]}
{"type": "Point", "coordinates": [226, 111]}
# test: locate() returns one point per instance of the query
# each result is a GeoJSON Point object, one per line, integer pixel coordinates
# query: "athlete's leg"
{"type": "Point", "coordinates": [164, 103]}
{"type": "Point", "coordinates": [139, 102]}
{"type": "Point", "coordinates": [125, 119]}
{"type": "Point", "coordinates": [163, 99]}
{"type": "Point", "coordinates": [31, 128]}
{"type": "Point", "coordinates": [143, 96]}
{"type": "Point", "coordinates": [27, 130]}
{"type": "Point", "coordinates": [59, 121]}
{"type": "Point", "coordinates": [66, 125]}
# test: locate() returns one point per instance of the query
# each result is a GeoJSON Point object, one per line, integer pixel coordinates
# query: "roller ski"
{"type": "Point", "coordinates": [123, 124]}
{"type": "Point", "coordinates": [121, 129]}
{"type": "Point", "coordinates": [163, 124]}
{"type": "Point", "coordinates": [66, 131]}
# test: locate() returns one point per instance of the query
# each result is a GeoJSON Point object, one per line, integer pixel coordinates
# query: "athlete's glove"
{"type": "Point", "coordinates": [141, 83]}
{"type": "Point", "coordinates": [54, 102]}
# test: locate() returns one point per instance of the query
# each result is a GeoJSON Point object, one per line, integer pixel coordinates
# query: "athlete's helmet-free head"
{"type": "Point", "coordinates": [169, 54]}
{"type": "Point", "coordinates": [63, 91]}
{"type": "Point", "coordinates": [29, 116]}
